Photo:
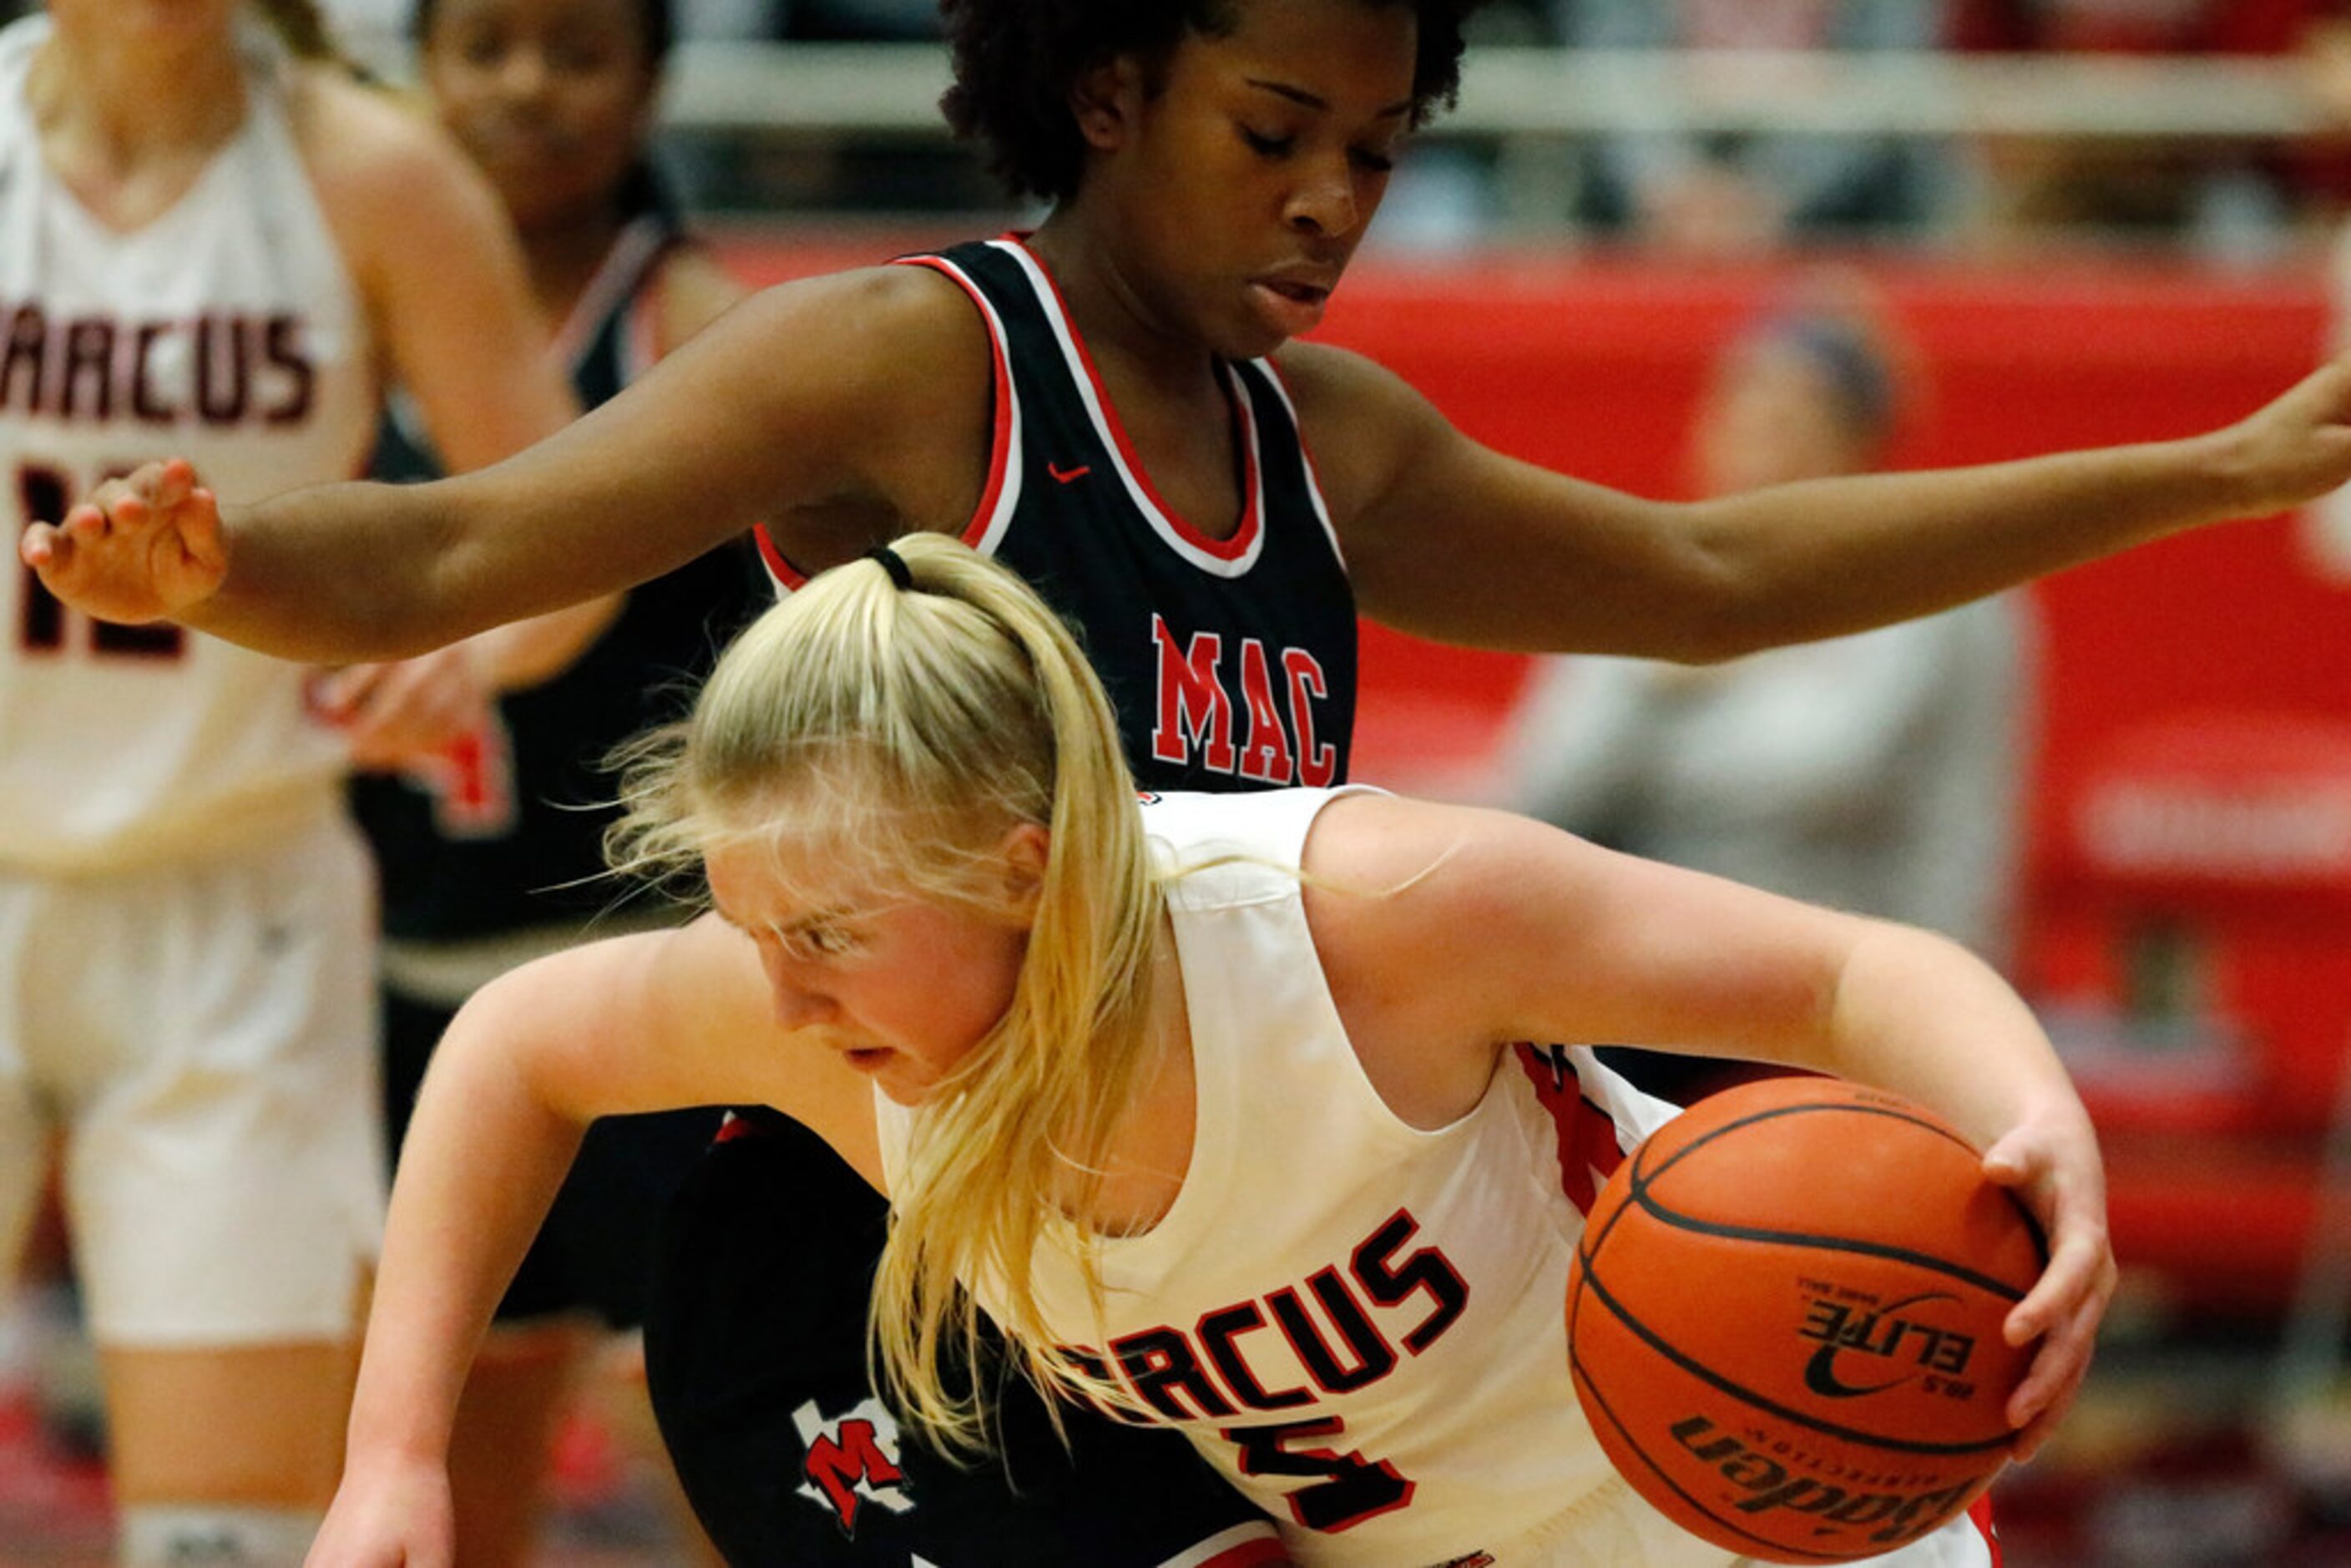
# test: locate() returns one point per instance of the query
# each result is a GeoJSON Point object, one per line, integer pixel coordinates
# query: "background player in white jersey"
{"type": "Point", "coordinates": [1116, 1064]}
{"type": "Point", "coordinates": [209, 246]}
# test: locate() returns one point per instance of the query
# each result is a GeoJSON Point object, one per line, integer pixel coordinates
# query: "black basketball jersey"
{"type": "Point", "coordinates": [1231, 663]}
{"type": "Point", "coordinates": [507, 834]}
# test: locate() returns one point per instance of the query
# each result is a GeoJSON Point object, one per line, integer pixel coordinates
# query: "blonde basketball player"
{"type": "Point", "coordinates": [1140, 1077]}
{"type": "Point", "coordinates": [209, 246]}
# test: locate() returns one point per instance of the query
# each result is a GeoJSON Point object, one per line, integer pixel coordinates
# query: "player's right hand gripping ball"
{"type": "Point", "coordinates": [1784, 1319]}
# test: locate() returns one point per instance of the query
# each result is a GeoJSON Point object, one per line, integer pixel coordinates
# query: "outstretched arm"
{"type": "Point", "coordinates": [635, 1023]}
{"type": "Point", "coordinates": [1539, 935]}
{"type": "Point", "coordinates": [840, 409]}
{"type": "Point", "coordinates": [1535, 560]}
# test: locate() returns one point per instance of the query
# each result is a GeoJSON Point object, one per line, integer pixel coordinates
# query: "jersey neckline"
{"type": "Point", "coordinates": [1225, 557]}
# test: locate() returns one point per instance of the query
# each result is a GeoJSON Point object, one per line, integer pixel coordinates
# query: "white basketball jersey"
{"type": "Point", "coordinates": [226, 331]}
{"type": "Point", "coordinates": [1362, 1324]}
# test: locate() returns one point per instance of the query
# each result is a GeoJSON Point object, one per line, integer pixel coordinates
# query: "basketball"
{"type": "Point", "coordinates": [1784, 1319]}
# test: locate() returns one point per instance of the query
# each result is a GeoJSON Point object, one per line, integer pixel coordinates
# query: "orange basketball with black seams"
{"type": "Point", "coordinates": [1784, 1319]}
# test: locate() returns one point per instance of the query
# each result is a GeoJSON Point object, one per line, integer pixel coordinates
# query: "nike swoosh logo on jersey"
{"type": "Point", "coordinates": [1069, 475]}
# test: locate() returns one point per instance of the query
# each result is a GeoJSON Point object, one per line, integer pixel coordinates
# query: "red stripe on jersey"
{"type": "Point", "coordinates": [1305, 453]}
{"type": "Point", "coordinates": [788, 575]}
{"type": "Point", "coordinates": [735, 1127]}
{"type": "Point", "coordinates": [1233, 549]}
{"type": "Point", "coordinates": [999, 446]}
{"type": "Point", "coordinates": [1980, 1515]}
{"type": "Point", "coordinates": [1256, 1547]}
{"type": "Point", "coordinates": [999, 459]}
{"type": "Point", "coordinates": [1588, 1145]}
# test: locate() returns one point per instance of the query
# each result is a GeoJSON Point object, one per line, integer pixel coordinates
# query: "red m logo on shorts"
{"type": "Point", "coordinates": [852, 1461]}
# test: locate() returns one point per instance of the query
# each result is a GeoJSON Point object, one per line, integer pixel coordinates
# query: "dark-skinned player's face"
{"type": "Point", "coordinates": [552, 98]}
{"type": "Point", "coordinates": [1242, 184]}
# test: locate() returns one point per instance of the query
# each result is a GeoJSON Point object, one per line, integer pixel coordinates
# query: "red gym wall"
{"type": "Point", "coordinates": [2195, 686]}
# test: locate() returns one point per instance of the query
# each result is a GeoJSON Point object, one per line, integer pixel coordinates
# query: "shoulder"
{"type": "Point", "coordinates": [866, 393]}
{"type": "Point", "coordinates": [1339, 383]}
{"type": "Point", "coordinates": [910, 309]}
{"type": "Point", "coordinates": [900, 341]}
{"type": "Point", "coordinates": [1380, 863]}
{"type": "Point", "coordinates": [1418, 915]}
{"type": "Point", "coordinates": [382, 170]}
{"type": "Point", "coordinates": [1399, 891]}
{"type": "Point", "coordinates": [368, 141]}
{"type": "Point", "coordinates": [1361, 419]}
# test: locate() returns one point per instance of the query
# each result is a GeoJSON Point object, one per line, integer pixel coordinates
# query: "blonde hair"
{"type": "Point", "coordinates": [901, 733]}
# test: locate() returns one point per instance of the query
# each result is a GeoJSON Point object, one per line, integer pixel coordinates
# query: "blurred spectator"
{"type": "Point", "coordinates": [1721, 193]}
{"type": "Point", "coordinates": [2230, 201]}
{"type": "Point", "coordinates": [1880, 772]}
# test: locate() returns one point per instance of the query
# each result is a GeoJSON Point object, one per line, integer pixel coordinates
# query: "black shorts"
{"type": "Point", "coordinates": [755, 1348]}
{"type": "Point", "coordinates": [595, 1251]}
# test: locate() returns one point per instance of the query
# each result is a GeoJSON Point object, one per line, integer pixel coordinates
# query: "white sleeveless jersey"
{"type": "Point", "coordinates": [1362, 1324]}
{"type": "Point", "coordinates": [228, 331]}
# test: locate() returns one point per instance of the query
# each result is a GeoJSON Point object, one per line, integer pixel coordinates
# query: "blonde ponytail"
{"type": "Point", "coordinates": [903, 732]}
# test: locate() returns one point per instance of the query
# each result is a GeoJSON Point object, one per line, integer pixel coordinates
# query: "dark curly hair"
{"type": "Point", "coordinates": [1016, 61]}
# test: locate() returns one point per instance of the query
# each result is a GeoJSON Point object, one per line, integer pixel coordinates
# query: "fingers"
{"type": "Point", "coordinates": [2048, 1391]}
{"type": "Point", "coordinates": [172, 483]}
{"type": "Point", "coordinates": [2012, 1160]}
{"type": "Point", "coordinates": [101, 515]}
{"type": "Point", "coordinates": [401, 713]}
{"type": "Point", "coordinates": [2059, 1178]}
{"type": "Point", "coordinates": [44, 547]}
{"type": "Point", "coordinates": [149, 546]}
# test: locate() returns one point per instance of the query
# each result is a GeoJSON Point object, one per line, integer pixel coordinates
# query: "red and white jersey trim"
{"type": "Point", "coordinates": [993, 516]}
{"type": "Point", "coordinates": [1306, 459]}
{"type": "Point", "coordinates": [989, 520]}
{"type": "Point", "coordinates": [1220, 557]}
